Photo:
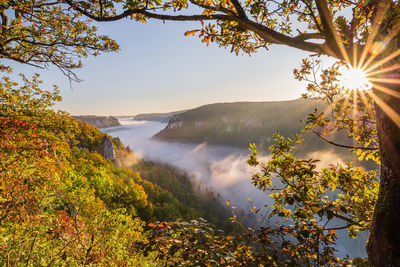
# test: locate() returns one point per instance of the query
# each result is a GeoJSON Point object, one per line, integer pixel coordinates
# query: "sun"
{"type": "Point", "coordinates": [354, 79]}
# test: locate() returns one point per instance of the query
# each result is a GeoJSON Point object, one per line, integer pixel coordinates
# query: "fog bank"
{"type": "Point", "coordinates": [222, 169]}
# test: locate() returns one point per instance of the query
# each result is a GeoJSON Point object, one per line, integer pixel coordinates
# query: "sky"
{"type": "Point", "coordinates": [158, 69]}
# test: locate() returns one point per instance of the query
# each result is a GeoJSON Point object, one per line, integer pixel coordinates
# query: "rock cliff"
{"type": "Point", "coordinates": [108, 151]}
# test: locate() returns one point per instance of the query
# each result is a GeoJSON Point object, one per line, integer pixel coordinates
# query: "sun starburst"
{"type": "Point", "coordinates": [372, 73]}
{"type": "Point", "coordinates": [354, 79]}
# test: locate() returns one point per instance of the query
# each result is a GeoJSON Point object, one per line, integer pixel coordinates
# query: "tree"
{"type": "Point", "coordinates": [45, 32]}
{"type": "Point", "coordinates": [51, 211]}
{"type": "Point", "coordinates": [360, 33]}
{"type": "Point", "coordinates": [42, 32]}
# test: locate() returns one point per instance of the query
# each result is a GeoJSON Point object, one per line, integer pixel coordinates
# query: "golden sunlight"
{"type": "Point", "coordinates": [354, 79]}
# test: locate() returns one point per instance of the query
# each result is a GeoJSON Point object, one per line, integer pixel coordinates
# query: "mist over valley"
{"type": "Point", "coordinates": [222, 169]}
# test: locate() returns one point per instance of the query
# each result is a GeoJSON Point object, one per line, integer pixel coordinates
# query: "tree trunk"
{"type": "Point", "coordinates": [384, 240]}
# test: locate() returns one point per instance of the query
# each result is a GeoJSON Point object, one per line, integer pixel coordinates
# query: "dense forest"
{"type": "Point", "coordinates": [62, 202]}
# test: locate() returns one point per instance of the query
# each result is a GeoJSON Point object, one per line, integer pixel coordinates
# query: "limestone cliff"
{"type": "Point", "coordinates": [107, 150]}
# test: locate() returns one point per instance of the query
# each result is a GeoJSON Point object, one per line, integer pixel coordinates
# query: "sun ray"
{"type": "Point", "coordinates": [334, 102]}
{"type": "Point", "coordinates": [393, 115]}
{"type": "Point", "coordinates": [364, 99]}
{"type": "Point", "coordinates": [391, 68]}
{"type": "Point", "coordinates": [342, 49]}
{"type": "Point", "coordinates": [345, 103]}
{"type": "Point", "coordinates": [355, 108]}
{"type": "Point", "coordinates": [383, 61]}
{"type": "Point", "coordinates": [380, 14]}
{"type": "Point", "coordinates": [355, 54]}
{"type": "Point", "coordinates": [381, 45]}
{"type": "Point", "coordinates": [387, 90]}
{"type": "Point", "coordinates": [373, 56]}
{"type": "Point", "coordinates": [385, 80]}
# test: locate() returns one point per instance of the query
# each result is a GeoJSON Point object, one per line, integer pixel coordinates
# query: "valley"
{"type": "Point", "coordinates": [221, 169]}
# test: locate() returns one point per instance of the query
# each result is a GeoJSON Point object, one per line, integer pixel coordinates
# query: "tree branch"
{"type": "Point", "coordinates": [344, 146]}
{"type": "Point", "coordinates": [307, 36]}
{"type": "Point", "coordinates": [239, 8]}
{"type": "Point", "coordinates": [267, 34]}
{"type": "Point", "coordinates": [332, 39]}
{"type": "Point", "coordinates": [143, 11]}
{"type": "Point", "coordinates": [214, 8]}
{"type": "Point", "coordinates": [272, 36]}
{"type": "Point", "coordinates": [309, 7]}
{"type": "Point", "coordinates": [346, 226]}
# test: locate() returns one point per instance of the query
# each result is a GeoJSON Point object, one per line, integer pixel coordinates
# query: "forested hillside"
{"type": "Point", "coordinates": [242, 123]}
{"type": "Point", "coordinates": [239, 123]}
{"type": "Point", "coordinates": [62, 202]}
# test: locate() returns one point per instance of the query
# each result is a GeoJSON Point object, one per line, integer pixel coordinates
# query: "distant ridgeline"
{"type": "Point", "coordinates": [99, 121]}
{"type": "Point", "coordinates": [161, 117]}
{"type": "Point", "coordinates": [241, 123]}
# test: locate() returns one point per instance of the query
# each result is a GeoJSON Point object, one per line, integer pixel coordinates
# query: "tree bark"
{"type": "Point", "coordinates": [384, 241]}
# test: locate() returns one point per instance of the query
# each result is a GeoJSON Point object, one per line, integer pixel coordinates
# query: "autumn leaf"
{"type": "Point", "coordinates": [189, 33]}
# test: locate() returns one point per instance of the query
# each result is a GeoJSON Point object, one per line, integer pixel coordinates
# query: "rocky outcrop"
{"type": "Point", "coordinates": [175, 122]}
{"type": "Point", "coordinates": [99, 121]}
{"type": "Point", "coordinates": [107, 150]}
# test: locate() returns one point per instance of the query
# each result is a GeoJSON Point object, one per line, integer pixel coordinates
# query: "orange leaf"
{"type": "Point", "coordinates": [188, 33]}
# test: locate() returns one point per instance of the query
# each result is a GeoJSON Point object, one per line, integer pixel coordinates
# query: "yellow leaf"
{"type": "Point", "coordinates": [188, 33]}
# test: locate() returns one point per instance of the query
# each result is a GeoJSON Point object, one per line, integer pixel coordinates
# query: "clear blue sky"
{"type": "Point", "coordinates": [159, 69]}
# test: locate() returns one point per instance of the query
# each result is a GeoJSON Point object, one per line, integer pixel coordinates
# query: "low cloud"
{"type": "Point", "coordinates": [222, 169]}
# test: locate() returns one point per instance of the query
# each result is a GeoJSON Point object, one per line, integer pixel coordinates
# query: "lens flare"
{"type": "Point", "coordinates": [377, 48]}
{"type": "Point", "coordinates": [354, 79]}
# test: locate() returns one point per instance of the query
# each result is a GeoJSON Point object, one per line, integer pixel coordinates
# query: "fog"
{"type": "Point", "coordinates": [222, 169]}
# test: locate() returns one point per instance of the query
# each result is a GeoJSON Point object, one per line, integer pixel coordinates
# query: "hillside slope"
{"type": "Point", "coordinates": [63, 193]}
{"type": "Point", "coordinates": [238, 124]}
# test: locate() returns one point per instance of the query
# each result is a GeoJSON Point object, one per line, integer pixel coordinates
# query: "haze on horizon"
{"type": "Point", "coordinates": [158, 69]}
